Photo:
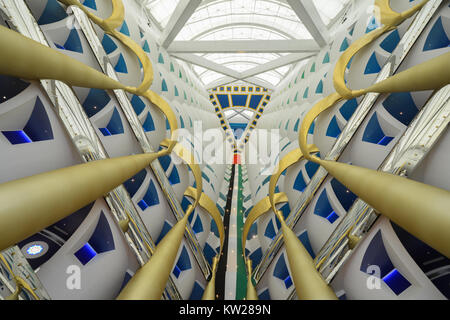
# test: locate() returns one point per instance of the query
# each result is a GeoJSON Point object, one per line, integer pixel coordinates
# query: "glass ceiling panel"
{"type": "Point", "coordinates": [328, 10]}
{"type": "Point", "coordinates": [266, 14]}
{"type": "Point", "coordinates": [161, 10]}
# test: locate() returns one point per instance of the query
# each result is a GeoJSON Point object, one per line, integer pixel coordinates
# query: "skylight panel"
{"type": "Point", "coordinates": [162, 10]}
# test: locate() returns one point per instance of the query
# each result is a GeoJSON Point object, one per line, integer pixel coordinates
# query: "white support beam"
{"type": "Point", "coordinates": [208, 64]}
{"type": "Point", "coordinates": [184, 10]}
{"type": "Point", "coordinates": [274, 64]}
{"type": "Point", "coordinates": [308, 15]}
{"type": "Point", "coordinates": [240, 46]}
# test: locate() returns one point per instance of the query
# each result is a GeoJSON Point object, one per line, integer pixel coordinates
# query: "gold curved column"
{"type": "Point", "coordinates": [25, 58]}
{"type": "Point", "coordinates": [210, 207]}
{"type": "Point", "coordinates": [210, 290]}
{"type": "Point", "coordinates": [420, 209]}
{"type": "Point", "coordinates": [257, 211]}
{"type": "Point", "coordinates": [308, 282]}
{"type": "Point", "coordinates": [389, 20]}
{"type": "Point", "coordinates": [288, 160]}
{"type": "Point", "coordinates": [53, 195]}
{"type": "Point", "coordinates": [150, 281]}
{"type": "Point", "coordinates": [251, 291]}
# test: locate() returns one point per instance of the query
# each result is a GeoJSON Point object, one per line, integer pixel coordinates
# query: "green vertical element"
{"type": "Point", "coordinates": [241, 276]}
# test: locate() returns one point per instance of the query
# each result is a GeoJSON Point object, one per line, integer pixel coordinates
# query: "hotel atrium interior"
{"type": "Point", "coordinates": [224, 149]}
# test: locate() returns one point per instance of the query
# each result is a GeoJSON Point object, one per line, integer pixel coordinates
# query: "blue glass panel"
{"type": "Point", "coordinates": [105, 132]}
{"type": "Point", "coordinates": [345, 196]}
{"type": "Point", "coordinates": [125, 281]}
{"type": "Point", "coordinates": [285, 210]}
{"type": "Point", "coordinates": [124, 29]}
{"type": "Point", "coordinates": [174, 178]}
{"type": "Point", "coordinates": [90, 4]}
{"type": "Point", "coordinates": [121, 65]}
{"type": "Point", "coordinates": [214, 228]}
{"type": "Point", "coordinates": [437, 38]}
{"type": "Point", "coordinates": [253, 231]}
{"type": "Point", "coordinates": [198, 225]}
{"type": "Point", "coordinates": [38, 127]}
{"type": "Point", "coordinates": [374, 134]}
{"type": "Point", "coordinates": [209, 253]}
{"type": "Point", "coordinates": [85, 254]}
{"type": "Point", "coordinates": [281, 271]}
{"type": "Point", "coordinates": [220, 210]}
{"type": "Point", "coordinates": [205, 177]}
{"type": "Point", "coordinates": [143, 205]}
{"type": "Point", "coordinates": [132, 185]}
{"type": "Point", "coordinates": [184, 262]}
{"type": "Point", "coordinates": [161, 58]}
{"type": "Point", "coordinates": [319, 88]}
{"type": "Point", "coordinates": [396, 281]}
{"type": "Point", "coordinates": [197, 292]}
{"type": "Point", "coordinates": [376, 255]}
{"type": "Point", "coordinates": [17, 137]}
{"type": "Point", "coordinates": [286, 126]}
{"type": "Point", "coordinates": [165, 229]}
{"type": "Point", "coordinates": [138, 104]}
{"type": "Point", "coordinates": [102, 239]}
{"type": "Point", "coordinates": [151, 196]}
{"type": "Point", "coordinates": [239, 100]}
{"type": "Point", "coordinates": [385, 141]}
{"type": "Point", "coordinates": [181, 122]}
{"type": "Point", "coordinates": [303, 237]}
{"type": "Point", "coordinates": [95, 101]}
{"type": "Point", "coordinates": [401, 106]}
{"type": "Point", "coordinates": [332, 217]}
{"type": "Point", "coordinates": [297, 123]}
{"type": "Point", "coordinates": [53, 12]}
{"type": "Point", "coordinates": [176, 91]}
{"type": "Point", "coordinates": [164, 85]}
{"type": "Point", "coordinates": [372, 25]}
{"type": "Point", "coordinates": [10, 87]}
{"type": "Point", "coordinates": [348, 108]}
{"type": "Point", "coordinates": [148, 124]}
{"type": "Point", "coordinates": [311, 128]}
{"type": "Point", "coordinates": [223, 100]}
{"type": "Point", "coordinates": [176, 271]}
{"type": "Point", "coordinates": [323, 207]}
{"type": "Point", "coordinates": [266, 180]}
{"type": "Point", "coordinates": [299, 183]}
{"type": "Point", "coordinates": [372, 65]}
{"type": "Point", "coordinates": [256, 256]}
{"type": "Point", "coordinates": [305, 94]}
{"type": "Point", "coordinates": [265, 295]}
{"type": "Point", "coordinates": [145, 47]}
{"type": "Point", "coordinates": [333, 129]}
{"type": "Point", "coordinates": [391, 41]}
{"type": "Point", "coordinates": [311, 168]}
{"type": "Point", "coordinates": [326, 58]}
{"type": "Point", "coordinates": [254, 101]}
{"type": "Point", "coordinates": [73, 42]}
{"type": "Point", "coordinates": [288, 282]}
{"type": "Point", "coordinates": [344, 45]}
{"type": "Point", "coordinates": [115, 123]}
{"type": "Point", "coordinates": [108, 44]}
{"type": "Point", "coordinates": [270, 230]}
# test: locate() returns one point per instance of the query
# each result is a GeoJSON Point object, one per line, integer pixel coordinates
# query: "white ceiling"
{"type": "Point", "coordinates": [208, 35]}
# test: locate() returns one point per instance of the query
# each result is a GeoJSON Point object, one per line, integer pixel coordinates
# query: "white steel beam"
{"type": "Point", "coordinates": [240, 46]}
{"type": "Point", "coordinates": [184, 10]}
{"type": "Point", "coordinates": [308, 15]}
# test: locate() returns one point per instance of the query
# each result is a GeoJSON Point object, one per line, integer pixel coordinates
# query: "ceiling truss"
{"type": "Point", "coordinates": [298, 49]}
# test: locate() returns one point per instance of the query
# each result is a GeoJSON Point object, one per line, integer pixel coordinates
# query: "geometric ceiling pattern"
{"type": "Point", "coordinates": [236, 106]}
{"type": "Point", "coordinates": [255, 42]}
